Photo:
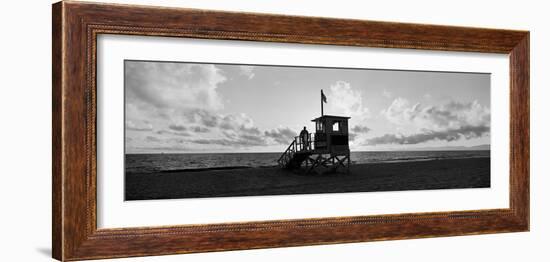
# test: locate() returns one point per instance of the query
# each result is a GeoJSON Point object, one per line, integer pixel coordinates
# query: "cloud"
{"type": "Point", "coordinates": [141, 126]}
{"type": "Point", "coordinates": [166, 132]}
{"type": "Point", "coordinates": [360, 129]}
{"type": "Point", "coordinates": [190, 143]}
{"type": "Point", "coordinates": [241, 135]}
{"type": "Point", "coordinates": [229, 134]}
{"type": "Point", "coordinates": [247, 71]}
{"type": "Point", "coordinates": [281, 135]}
{"type": "Point", "coordinates": [178, 148]}
{"type": "Point", "coordinates": [177, 127]}
{"type": "Point", "coordinates": [401, 112]}
{"type": "Point", "coordinates": [182, 101]}
{"type": "Point", "coordinates": [238, 122]}
{"type": "Point", "coordinates": [217, 129]}
{"type": "Point", "coordinates": [452, 115]}
{"type": "Point", "coordinates": [446, 122]}
{"type": "Point", "coordinates": [357, 132]}
{"type": "Point", "coordinates": [252, 139]}
{"type": "Point", "coordinates": [237, 130]}
{"type": "Point", "coordinates": [344, 100]}
{"type": "Point", "coordinates": [152, 139]}
{"type": "Point", "coordinates": [466, 132]}
{"type": "Point", "coordinates": [171, 86]}
{"type": "Point", "coordinates": [199, 129]}
{"type": "Point", "coordinates": [244, 141]}
{"type": "Point", "coordinates": [250, 130]}
{"type": "Point", "coordinates": [456, 114]}
{"type": "Point", "coordinates": [205, 117]}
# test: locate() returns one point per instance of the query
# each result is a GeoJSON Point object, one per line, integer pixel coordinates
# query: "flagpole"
{"type": "Point", "coordinates": [322, 113]}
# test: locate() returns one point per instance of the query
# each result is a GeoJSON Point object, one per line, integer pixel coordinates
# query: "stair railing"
{"type": "Point", "coordinates": [297, 145]}
{"type": "Point", "coordinates": [287, 155]}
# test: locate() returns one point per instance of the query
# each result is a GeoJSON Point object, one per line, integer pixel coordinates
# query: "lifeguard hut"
{"type": "Point", "coordinates": [328, 148]}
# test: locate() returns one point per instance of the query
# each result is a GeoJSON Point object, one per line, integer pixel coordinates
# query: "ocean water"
{"type": "Point", "coordinates": [150, 163]}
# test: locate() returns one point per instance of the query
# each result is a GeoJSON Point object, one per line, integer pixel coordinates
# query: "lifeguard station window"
{"type": "Point", "coordinates": [336, 126]}
{"type": "Point", "coordinates": [320, 126]}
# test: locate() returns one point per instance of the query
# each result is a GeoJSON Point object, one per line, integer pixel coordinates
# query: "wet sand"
{"type": "Point", "coordinates": [418, 175]}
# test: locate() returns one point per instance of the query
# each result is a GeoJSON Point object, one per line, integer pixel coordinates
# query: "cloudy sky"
{"type": "Point", "coordinates": [189, 107]}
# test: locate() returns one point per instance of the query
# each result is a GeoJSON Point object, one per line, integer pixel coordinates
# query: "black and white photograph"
{"type": "Point", "coordinates": [269, 131]}
{"type": "Point", "coordinates": [202, 129]}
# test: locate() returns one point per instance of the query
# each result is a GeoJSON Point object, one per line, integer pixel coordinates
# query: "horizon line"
{"type": "Point", "coordinates": [278, 152]}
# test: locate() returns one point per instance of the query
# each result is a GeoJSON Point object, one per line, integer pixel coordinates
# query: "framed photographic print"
{"type": "Point", "coordinates": [182, 130]}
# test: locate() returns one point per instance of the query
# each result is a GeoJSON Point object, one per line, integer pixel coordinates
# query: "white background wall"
{"type": "Point", "coordinates": [25, 117]}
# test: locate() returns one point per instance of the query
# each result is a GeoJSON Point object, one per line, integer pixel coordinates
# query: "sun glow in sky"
{"type": "Point", "coordinates": [188, 107]}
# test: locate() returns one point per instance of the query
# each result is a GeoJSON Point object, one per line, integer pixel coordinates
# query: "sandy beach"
{"type": "Point", "coordinates": [416, 175]}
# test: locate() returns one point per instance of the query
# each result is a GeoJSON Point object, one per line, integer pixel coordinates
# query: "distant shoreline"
{"type": "Point", "coordinates": [280, 152]}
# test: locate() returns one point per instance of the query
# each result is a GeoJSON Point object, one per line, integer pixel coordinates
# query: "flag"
{"type": "Point", "coordinates": [323, 97]}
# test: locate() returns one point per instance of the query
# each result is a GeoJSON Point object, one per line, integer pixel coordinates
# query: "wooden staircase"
{"type": "Point", "coordinates": [296, 153]}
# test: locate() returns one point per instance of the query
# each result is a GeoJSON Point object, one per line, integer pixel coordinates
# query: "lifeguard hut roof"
{"type": "Point", "coordinates": [331, 117]}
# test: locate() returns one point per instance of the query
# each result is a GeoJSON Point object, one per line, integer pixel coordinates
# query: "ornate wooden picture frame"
{"type": "Point", "coordinates": [76, 26]}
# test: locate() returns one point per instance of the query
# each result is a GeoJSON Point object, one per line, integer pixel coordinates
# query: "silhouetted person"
{"type": "Point", "coordinates": [304, 138]}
